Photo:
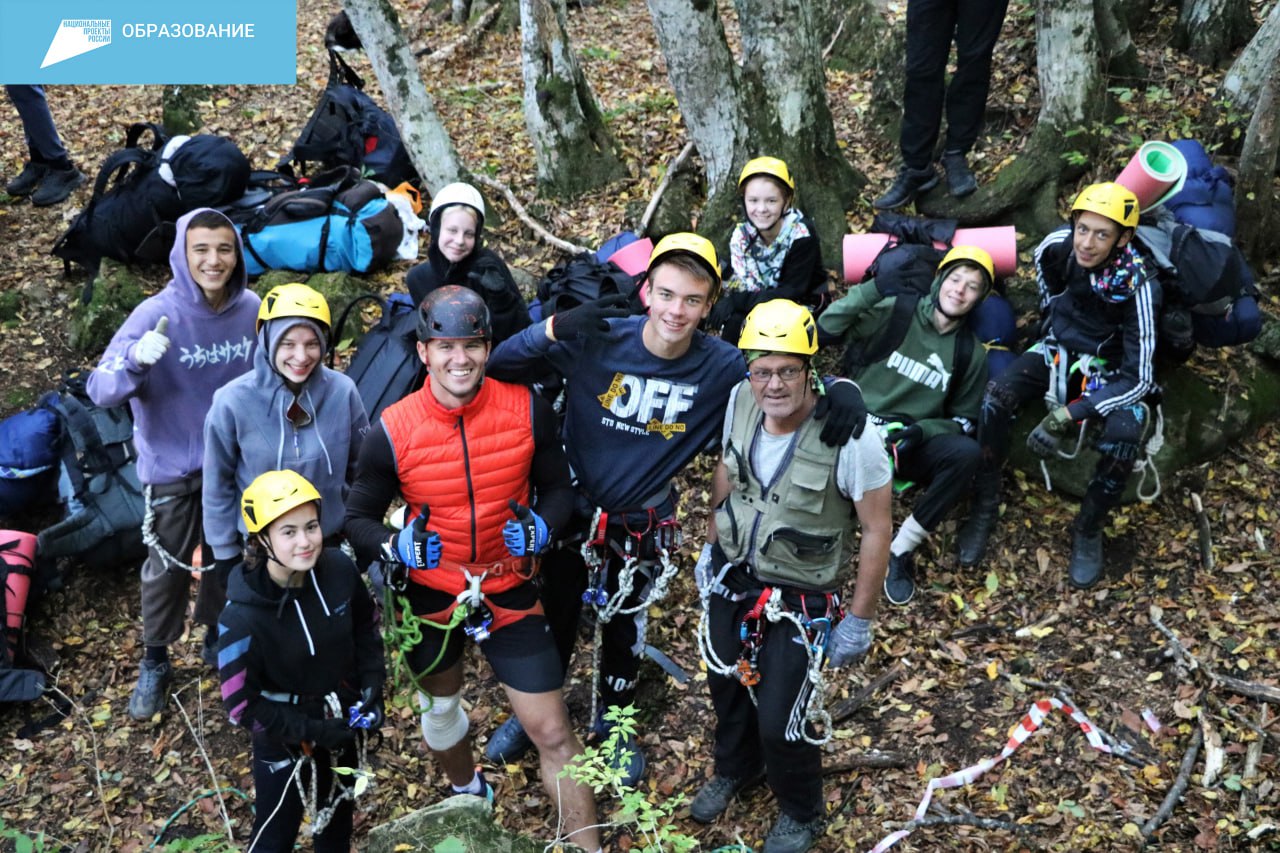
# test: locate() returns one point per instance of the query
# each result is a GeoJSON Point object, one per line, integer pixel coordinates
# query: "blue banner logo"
{"type": "Point", "coordinates": [148, 41]}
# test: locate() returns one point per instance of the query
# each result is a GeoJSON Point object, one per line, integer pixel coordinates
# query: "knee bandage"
{"type": "Point", "coordinates": [444, 725]}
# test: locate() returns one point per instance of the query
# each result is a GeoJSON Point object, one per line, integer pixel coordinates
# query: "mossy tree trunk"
{"type": "Point", "coordinates": [1210, 30]}
{"type": "Point", "coordinates": [1072, 99]}
{"type": "Point", "coordinates": [429, 145]}
{"type": "Point", "coordinates": [1258, 216]}
{"type": "Point", "coordinates": [574, 149]}
{"type": "Point", "coordinates": [1256, 64]}
{"type": "Point", "coordinates": [773, 102]}
{"type": "Point", "coordinates": [1120, 57]}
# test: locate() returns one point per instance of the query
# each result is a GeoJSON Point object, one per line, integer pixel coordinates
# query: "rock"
{"type": "Point", "coordinates": [117, 290]}
{"type": "Point", "coordinates": [460, 824]}
{"type": "Point", "coordinates": [338, 289]}
{"type": "Point", "coordinates": [1267, 343]}
{"type": "Point", "coordinates": [275, 278]}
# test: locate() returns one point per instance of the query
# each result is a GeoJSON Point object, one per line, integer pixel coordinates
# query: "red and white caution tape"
{"type": "Point", "coordinates": [1035, 716]}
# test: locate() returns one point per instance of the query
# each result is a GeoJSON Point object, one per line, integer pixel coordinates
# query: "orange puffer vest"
{"type": "Point", "coordinates": [465, 464]}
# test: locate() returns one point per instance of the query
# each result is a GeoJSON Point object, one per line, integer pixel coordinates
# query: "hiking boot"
{"type": "Point", "coordinates": [628, 758]}
{"type": "Point", "coordinates": [152, 691]}
{"type": "Point", "coordinates": [960, 179]}
{"type": "Point", "coordinates": [508, 743]}
{"type": "Point", "coordinates": [209, 651]}
{"type": "Point", "coordinates": [900, 582]}
{"type": "Point", "coordinates": [909, 184]}
{"type": "Point", "coordinates": [1086, 565]}
{"type": "Point", "coordinates": [27, 180]}
{"type": "Point", "coordinates": [57, 185]}
{"type": "Point", "coordinates": [984, 510]}
{"type": "Point", "coordinates": [791, 836]}
{"type": "Point", "coordinates": [714, 797]}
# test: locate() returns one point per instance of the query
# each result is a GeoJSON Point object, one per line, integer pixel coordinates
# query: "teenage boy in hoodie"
{"type": "Point", "coordinates": [168, 358]}
{"type": "Point", "coordinates": [290, 412]}
{"type": "Point", "coordinates": [457, 256]}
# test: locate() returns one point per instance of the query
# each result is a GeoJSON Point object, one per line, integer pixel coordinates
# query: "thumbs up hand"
{"type": "Point", "coordinates": [416, 546]}
{"type": "Point", "coordinates": [152, 345]}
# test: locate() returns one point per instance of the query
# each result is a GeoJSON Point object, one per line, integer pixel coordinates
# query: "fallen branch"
{"type": "Point", "coordinates": [878, 760]}
{"type": "Point", "coordinates": [1252, 689]}
{"type": "Point", "coordinates": [1206, 533]}
{"type": "Point", "coordinates": [97, 760]}
{"type": "Point", "coordinates": [1252, 755]}
{"type": "Point", "coordinates": [847, 708]}
{"type": "Point", "coordinates": [963, 820]}
{"type": "Point", "coordinates": [538, 229]}
{"type": "Point", "coordinates": [470, 37]}
{"type": "Point", "coordinates": [1179, 787]}
{"type": "Point", "coordinates": [662, 186]}
{"type": "Point", "coordinates": [195, 735]}
{"type": "Point", "coordinates": [831, 45]}
{"type": "Point", "coordinates": [1231, 714]}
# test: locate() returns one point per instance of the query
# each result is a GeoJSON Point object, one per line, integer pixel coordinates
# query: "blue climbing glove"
{"type": "Point", "coordinates": [842, 412]}
{"type": "Point", "coordinates": [526, 534]}
{"type": "Point", "coordinates": [416, 546]}
{"type": "Point", "coordinates": [849, 641]}
{"type": "Point", "coordinates": [1047, 436]}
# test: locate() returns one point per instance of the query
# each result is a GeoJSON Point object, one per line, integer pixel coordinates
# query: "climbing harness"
{"type": "Point", "coordinates": [769, 607]}
{"type": "Point", "coordinates": [598, 551]}
{"type": "Point", "coordinates": [151, 540]}
{"type": "Point", "coordinates": [318, 817]}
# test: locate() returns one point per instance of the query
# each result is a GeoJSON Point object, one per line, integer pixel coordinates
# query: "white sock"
{"type": "Point", "coordinates": [909, 536]}
{"type": "Point", "coordinates": [476, 786]}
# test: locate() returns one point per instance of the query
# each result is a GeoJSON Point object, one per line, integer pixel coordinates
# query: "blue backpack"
{"type": "Point", "coordinates": [28, 460]}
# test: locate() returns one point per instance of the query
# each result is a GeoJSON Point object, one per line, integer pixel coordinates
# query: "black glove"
{"type": "Point", "coordinates": [1047, 436]}
{"type": "Point", "coordinates": [590, 319]}
{"type": "Point", "coordinates": [906, 439]}
{"type": "Point", "coordinates": [371, 704]}
{"type": "Point", "coordinates": [842, 412]}
{"type": "Point", "coordinates": [222, 569]}
{"type": "Point", "coordinates": [489, 278]}
{"type": "Point", "coordinates": [333, 735]}
{"type": "Point", "coordinates": [724, 309]}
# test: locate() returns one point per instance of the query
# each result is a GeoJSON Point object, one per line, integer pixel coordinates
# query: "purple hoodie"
{"type": "Point", "coordinates": [207, 349]}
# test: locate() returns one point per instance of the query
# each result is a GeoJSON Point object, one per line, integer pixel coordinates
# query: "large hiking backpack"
{"type": "Point", "coordinates": [28, 460]}
{"type": "Point", "coordinates": [144, 189]}
{"type": "Point", "coordinates": [17, 567]}
{"type": "Point", "coordinates": [386, 366]}
{"type": "Point", "coordinates": [98, 481]}
{"type": "Point", "coordinates": [337, 222]}
{"type": "Point", "coordinates": [349, 129]}
{"type": "Point", "coordinates": [584, 278]}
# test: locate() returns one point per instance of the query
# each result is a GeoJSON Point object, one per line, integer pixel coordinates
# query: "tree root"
{"type": "Point", "coordinates": [1252, 689]}
{"type": "Point", "coordinates": [847, 708]}
{"type": "Point", "coordinates": [1179, 787]}
{"type": "Point", "coordinates": [470, 37]}
{"type": "Point", "coordinates": [537, 228]}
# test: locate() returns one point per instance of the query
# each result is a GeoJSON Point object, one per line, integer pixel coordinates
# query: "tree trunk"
{"type": "Point", "coordinates": [1072, 97]}
{"type": "Point", "coordinates": [429, 145]}
{"type": "Point", "coordinates": [774, 103]}
{"type": "Point", "coordinates": [1210, 30]}
{"type": "Point", "coordinates": [1120, 55]}
{"type": "Point", "coordinates": [1255, 65]}
{"type": "Point", "coordinates": [459, 11]}
{"type": "Point", "coordinates": [1256, 206]}
{"type": "Point", "coordinates": [573, 147]}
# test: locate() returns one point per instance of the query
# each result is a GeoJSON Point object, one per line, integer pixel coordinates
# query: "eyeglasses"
{"type": "Point", "coordinates": [762, 376]}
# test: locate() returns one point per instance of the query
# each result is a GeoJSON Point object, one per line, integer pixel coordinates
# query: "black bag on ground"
{"type": "Point", "coordinates": [98, 484]}
{"type": "Point", "coordinates": [584, 278]}
{"type": "Point", "coordinates": [141, 188]}
{"type": "Point", "coordinates": [349, 129]}
{"type": "Point", "coordinates": [386, 366]}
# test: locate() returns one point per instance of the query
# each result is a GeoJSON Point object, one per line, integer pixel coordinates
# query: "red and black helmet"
{"type": "Point", "coordinates": [454, 312]}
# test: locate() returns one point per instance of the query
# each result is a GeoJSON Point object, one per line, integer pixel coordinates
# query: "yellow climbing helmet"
{"type": "Point", "coordinates": [293, 300]}
{"type": "Point", "coordinates": [779, 326]}
{"type": "Point", "coordinates": [273, 494]}
{"type": "Point", "coordinates": [972, 255]}
{"type": "Point", "coordinates": [770, 166]}
{"type": "Point", "coordinates": [688, 243]}
{"type": "Point", "coordinates": [1114, 201]}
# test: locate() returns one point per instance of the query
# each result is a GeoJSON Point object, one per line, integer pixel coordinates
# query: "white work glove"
{"type": "Point", "coordinates": [152, 345]}
{"type": "Point", "coordinates": [703, 572]}
{"type": "Point", "coordinates": [849, 641]}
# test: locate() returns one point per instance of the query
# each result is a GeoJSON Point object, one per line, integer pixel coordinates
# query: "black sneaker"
{"type": "Point", "coordinates": [960, 179]}
{"type": "Point", "coordinates": [900, 581]}
{"type": "Point", "coordinates": [57, 185]}
{"type": "Point", "coordinates": [909, 184]}
{"type": "Point", "coordinates": [27, 180]}
{"type": "Point", "coordinates": [508, 743]}
{"type": "Point", "coordinates": [152, 691]}
{"type": "Point", "coordinates": [713, 798]}
{"type": "Point", "coordinates": [791, 836]}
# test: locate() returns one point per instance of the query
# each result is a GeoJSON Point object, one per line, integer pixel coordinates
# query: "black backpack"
{"type": "Point", "coordinates": [584, 278]}
{"type": "Point", "coordinates": [131, 213]}
{"type": "Point", "coordinates": [103, 509]}
{"type": "Point", "coordinates": [16, 684]}
{"type": "Point", "coordinates": [349, 129]}
{"type": "Point", "coordinates": [1199, 269]}
{"type": "Point", "coordinates": [386, 367]}
{"type": "Point", "coordinates": [905, 268]}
